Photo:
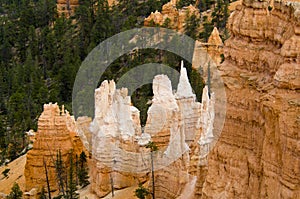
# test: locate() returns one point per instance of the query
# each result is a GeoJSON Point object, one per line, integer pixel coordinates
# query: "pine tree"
{"type": "Point", "coordinates": [43, 194]}
{"type": "Point", "coordinates": [220, 14]}
{"type": "Point", "coordinates": [83, 170]}
{"type": "Point", "coordinates": [141, 192]}
{"type": "Point", "coordinates": [60, 172]}
{"type": "Point", "coordinates": [71, 193]}
{"type": "Point", "coordinates": [183, 3]}
{"type": "Point", "coordinates": [15, 193]}
{"type": "Point", "coordinates": [153, 148]}
{"type": "Point", "coordinates": [208, 27]}
{"type": "Point", "coordinates": [191, 25]}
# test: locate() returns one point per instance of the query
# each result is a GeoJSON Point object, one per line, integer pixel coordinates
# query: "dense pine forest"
{"type": "Point", "coordinates": [40, 53]}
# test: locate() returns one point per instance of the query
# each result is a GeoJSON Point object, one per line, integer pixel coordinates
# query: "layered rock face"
{"type": "Point", "coordinates": [215, 46]}
{"type": "Point", "coordinates": [66, 7]}
{"type": "Point", "coordinates": [171, 16]}
{"type": "Point", "coordinates": [180, 126]}
{"type": "Point", "coordinates": [114, 142]}
{"type": "Point", "coordinates": [56, 132]}
{"type": "Point", "coordinates": [258, 154]}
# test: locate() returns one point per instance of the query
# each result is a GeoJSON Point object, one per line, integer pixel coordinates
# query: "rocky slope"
{"type": "Point", "coordinates": [258, 154]}
{"type": "Point", "coordinates": [15, 174]}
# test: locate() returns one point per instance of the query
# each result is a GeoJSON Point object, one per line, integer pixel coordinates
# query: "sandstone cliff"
{"type": "Point", "coordinates": [56, 131]}
{"type": "Point", "coordinates": [258, 154]}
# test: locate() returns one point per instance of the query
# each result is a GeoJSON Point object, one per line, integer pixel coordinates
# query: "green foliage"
{"type": "Point", "coordinates": [183, 3]}
{"type": "Point", "coordinates": [207, 29]}
{"type": "Point", "coordinates": [43, 194]}
{"type": "Point", "coordinates": [60, 173]}
{"type": "Point", "coordinates": [152, 146]}
{"type": "Point", "coordinates": [167, 23]}
{"type": "Point", "coordinates": [15, 193]}
{"type": "Point", "coordinates": [141, 192]}
{"type": "Point", "coordinates": [270, 8]}
{"type": "Point", "coordinates": [220, 14]}
{"type": "Point", "coordinates": [205, 4]}
{"type": "Point", "coordinates": [71, 191]}
{"type": "Point", "coordinates": [83, 170]}
{"type": "Point", "coordinates": [40, 54]}
{"type": "Point", "coordinates": [191, 25]}
{"type": "Point", "coordinates": [5, 172]}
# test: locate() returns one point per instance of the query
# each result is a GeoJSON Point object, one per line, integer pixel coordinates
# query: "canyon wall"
{"type": "Point", "coordinates": [258, 153]}
{"type": "Point", "coordinates": [56, 132]}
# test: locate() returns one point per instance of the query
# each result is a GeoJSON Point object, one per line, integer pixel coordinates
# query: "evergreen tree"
{"type": "Point", "coordinates": [207, 29]}
{"type": "Point", "coordinates": [60, 173]}
{"type": "Point", "coordinates": [15, 193]}
{"type": "Point", "coordinates": [191, 25]}
{"type": "Point", "coordinates": [141, 192]}
{"type": "Point", "coordinates": [152, 146]}
{"type": "Point", "coordinates": [220, 14]}
{"type": "Point", "coordinates": [102, 28]}
{"type": "Point", "coordinates": [71, 193]}
{"type": "Point", "coordinates": [183, 3]}
{"type": "Point", "coordinates": [43, 194]}
{"type": "Point", "coordinates": [83, 170]}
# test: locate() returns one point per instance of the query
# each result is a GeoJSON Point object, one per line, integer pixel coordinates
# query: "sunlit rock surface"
{"type": "Point", "coordinates": [174, 124]}
{"type": "Point", "coordinates": [56, 132]}
{"type": "Point", "coordinates": [258, 154]}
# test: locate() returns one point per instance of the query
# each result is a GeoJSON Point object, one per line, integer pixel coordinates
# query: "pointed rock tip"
{"type": "Point", "coordinates": [215, 38]}
{"type": "Point", "coordinates": [184, 88]}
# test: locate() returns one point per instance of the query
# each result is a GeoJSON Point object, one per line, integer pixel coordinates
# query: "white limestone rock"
{"type": "Point", "coordinates": [114, 115]}
{"type": "Point", "coordinates": [184, 88]}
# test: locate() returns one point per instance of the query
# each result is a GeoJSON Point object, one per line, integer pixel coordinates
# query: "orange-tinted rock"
{"type": "Point", "coordinates": [215, 46]}
{"type": "Point", "coordinates": [170, 12]}
{"type": "Point", "coordinates": [66, 7]}
{"type": "Point", "coordinates": [258, 154]}
{"type": "Point", "coordinates": [56, 131]}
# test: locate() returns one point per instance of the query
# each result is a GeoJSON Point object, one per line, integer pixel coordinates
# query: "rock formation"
{"type": "Point", "coordinates": [114, 129]}
{"type": "Point", "coordinates": [258, 153]}
{"type": "Point", "coordinates": [176, 19]}
{"type": "Point", "coordinates": [215, 46]}
{"type": "Point", "coordinates": [56, 131]}
{"type": "Point", "coordinates": [176, 123]}
{"type": "Point", "coordinates": [66, 7]}
{"type": "Point", "coordinates": [170, 13]}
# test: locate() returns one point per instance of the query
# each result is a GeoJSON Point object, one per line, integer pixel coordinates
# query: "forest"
{"type": "Point", "coordinates": [40, 53]}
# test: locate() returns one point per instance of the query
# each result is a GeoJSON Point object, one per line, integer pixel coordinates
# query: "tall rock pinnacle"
{"type": "Point", "coordinates": [184, 89]}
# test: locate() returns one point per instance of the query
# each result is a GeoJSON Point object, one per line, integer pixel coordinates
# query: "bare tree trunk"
{"type": "Point", "coordinates": [153, 185]}
{"type": "Point", "coordinates": [112, 185]}
{"type": "Point", "coordinates": [47, 179]}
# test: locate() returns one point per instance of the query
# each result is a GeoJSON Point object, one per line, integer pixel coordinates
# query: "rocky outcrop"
{"type": "Point", "coordinates": [258, 154]}
{"type": "Point", "coordinates": [114, 140]}
{"type": "Point", "coordinates": [56, 132]}
{"type": "Point", "coordinates": [66, 7]}
{"type": "Point", "coordinates": [214, 46]}
{"type": "Point", "coordinates": [171, 17]}
{"type": "Point", "coordinates": [179, 125]}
